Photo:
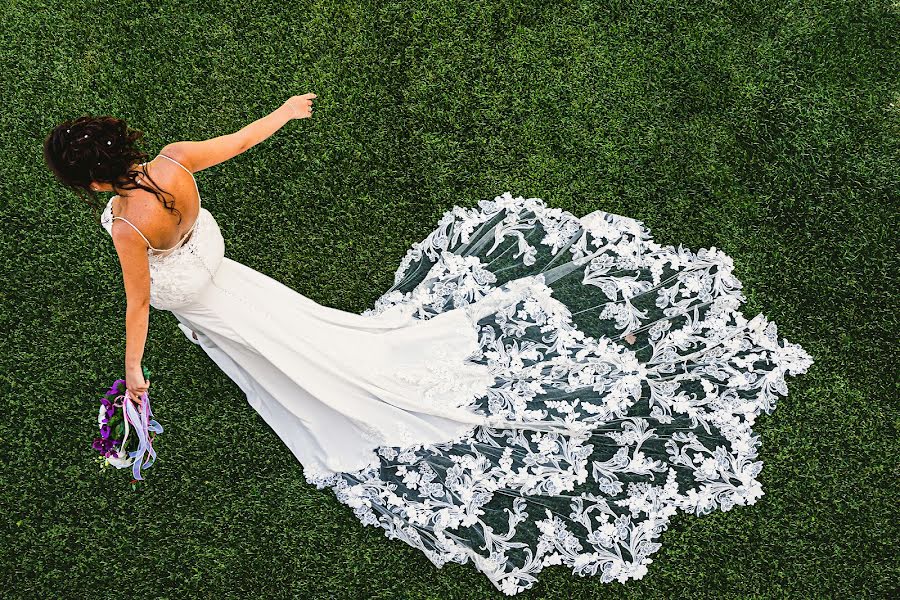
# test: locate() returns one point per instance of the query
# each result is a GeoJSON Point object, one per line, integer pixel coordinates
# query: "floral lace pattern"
{"type": "Point", "coordinates": [177, 277]}
{"type": "Point", "coordinates": [635, 356]}
{"type": "Point", "coordinates": [443, 375]}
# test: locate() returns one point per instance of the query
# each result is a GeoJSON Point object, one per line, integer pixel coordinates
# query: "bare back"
{"type": "Point", "coordinates": [160, 227]}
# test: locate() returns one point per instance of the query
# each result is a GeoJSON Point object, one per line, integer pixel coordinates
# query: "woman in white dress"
{"type": "Point", "coordinates": [534, 389]}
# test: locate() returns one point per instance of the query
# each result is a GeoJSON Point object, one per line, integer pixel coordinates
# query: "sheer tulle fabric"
{"type": "Point", "coordinates": [642, 342]}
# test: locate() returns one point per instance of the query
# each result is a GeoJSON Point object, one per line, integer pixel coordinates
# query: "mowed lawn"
{"type": "Point", "coordinates": [767, 129]}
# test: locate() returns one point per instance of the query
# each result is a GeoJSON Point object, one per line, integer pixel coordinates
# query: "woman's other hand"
{"type": "Point", "coordinates": [135, 383]}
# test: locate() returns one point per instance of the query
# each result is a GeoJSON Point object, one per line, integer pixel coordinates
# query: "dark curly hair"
{"type": "Point", "coordinates": [101, 149]}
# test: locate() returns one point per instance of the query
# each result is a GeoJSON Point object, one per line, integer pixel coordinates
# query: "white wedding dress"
{"type": "Point", "coordinates": [535, 388]}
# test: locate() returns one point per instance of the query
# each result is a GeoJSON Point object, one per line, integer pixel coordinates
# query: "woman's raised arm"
{"type": "Point", "coordinates": [197, 156]}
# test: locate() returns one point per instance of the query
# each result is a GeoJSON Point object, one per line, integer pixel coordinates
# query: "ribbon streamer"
{"type": "Point", "coordinates": [143, 424]}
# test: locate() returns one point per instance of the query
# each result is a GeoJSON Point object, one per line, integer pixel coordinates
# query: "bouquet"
{"type": "Point", "coordinates": [127, 430]}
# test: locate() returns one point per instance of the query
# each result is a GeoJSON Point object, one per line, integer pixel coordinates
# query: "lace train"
{"type": "Point", "coordinates": [633, 356]}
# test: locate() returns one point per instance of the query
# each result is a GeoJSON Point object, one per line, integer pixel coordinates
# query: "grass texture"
{"type": "Point", "coordinates": [767, 129]}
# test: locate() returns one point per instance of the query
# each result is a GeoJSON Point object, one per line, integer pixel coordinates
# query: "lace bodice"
{"type": "Point", "coordinates": [177, 277]}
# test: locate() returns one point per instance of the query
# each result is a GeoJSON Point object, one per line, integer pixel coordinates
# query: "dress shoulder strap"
{"type": "Point", "coordinates": [179, 164]}
{"type": "Point", "coordinates": [139, 232]}
{"type": "Point", "coordinates": [194, 179]}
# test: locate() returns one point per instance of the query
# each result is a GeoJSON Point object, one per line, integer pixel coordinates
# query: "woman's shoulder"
{"type": "Point", "coordinates": [142, 207]}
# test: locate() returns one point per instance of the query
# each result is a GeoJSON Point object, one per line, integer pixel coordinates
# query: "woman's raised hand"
{"type": "Point", "coordinates": [301, 106]}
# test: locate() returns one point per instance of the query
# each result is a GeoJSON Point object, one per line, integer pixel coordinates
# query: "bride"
{"type": "Point", "coordinates": [534, 389]}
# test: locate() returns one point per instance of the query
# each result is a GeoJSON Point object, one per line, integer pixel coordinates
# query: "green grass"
{"type": "Point", "coordinates": [766, 129]}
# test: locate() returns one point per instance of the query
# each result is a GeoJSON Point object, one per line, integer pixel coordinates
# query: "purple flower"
{"type": "Point", "coordinates": [110, 411]}
{"type": "Point", "coordinates": [104, 431]}
{"type": "Point", "coordinates": [110, 447]}
{"type": "Point", "coordinates": [105, 446]}
{"type": "Point", "coordinates": [114, 390]}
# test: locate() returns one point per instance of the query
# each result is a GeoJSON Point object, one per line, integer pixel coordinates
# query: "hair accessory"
{"type": "Point", "coordinates": [108, 143]}
{"type": "Point", "coordinates": [85, 135]}
{"type": "Point", "coordinates": [68, 130]}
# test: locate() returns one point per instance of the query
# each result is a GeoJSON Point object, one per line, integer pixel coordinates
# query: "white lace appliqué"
{"type": "Point", "coordinates": [177, 277]}
{"type": "Point", "coordinates": [661, 400]}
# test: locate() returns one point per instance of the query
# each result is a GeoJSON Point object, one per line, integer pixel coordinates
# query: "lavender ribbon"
{"type": "Point", "coordinates": [143, 424]}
